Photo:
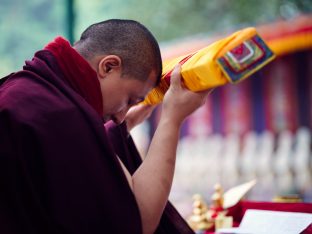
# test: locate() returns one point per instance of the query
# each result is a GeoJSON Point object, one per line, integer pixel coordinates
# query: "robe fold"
{"type": "Point", "coordinates": [122, 142]}
{"type": "Point", "coordinates": [58, 167]}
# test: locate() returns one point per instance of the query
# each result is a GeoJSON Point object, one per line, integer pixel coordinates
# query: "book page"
{"type": "Point", "coordinates": [273, 222]}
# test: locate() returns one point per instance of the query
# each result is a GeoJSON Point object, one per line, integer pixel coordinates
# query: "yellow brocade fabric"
{"type": "Point", "coordinates": [231, 59]}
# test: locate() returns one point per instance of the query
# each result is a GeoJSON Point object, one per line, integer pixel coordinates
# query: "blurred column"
{"type": "Point", "coordinates": [236, 104]}
{"type": "Point", "coordinates": [280, 95]}
{"type": "Point", "coordinates": [70, 20]}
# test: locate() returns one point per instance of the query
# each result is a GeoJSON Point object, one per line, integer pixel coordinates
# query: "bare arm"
{"type": "Point", "coordinates": [151, 183]}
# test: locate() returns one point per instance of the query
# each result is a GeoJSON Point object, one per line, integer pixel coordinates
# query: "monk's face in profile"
{"type": "Point", "coordinates": [120, 91]}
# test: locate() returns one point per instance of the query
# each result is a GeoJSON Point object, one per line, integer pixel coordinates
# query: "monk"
{"type": "Point", "coordinates": [61, 169]}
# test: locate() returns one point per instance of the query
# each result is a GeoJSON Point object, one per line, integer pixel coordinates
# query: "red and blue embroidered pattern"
{"type": "Point", "coordinates": [245, 59]}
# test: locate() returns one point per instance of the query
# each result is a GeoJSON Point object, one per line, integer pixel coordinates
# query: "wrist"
{"type": "Point", "coordinates": [170, 121]}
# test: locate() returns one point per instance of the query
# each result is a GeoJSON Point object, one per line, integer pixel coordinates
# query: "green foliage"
{"type": "Point", "coordinates": [169, 19]}
{"type": "Point", "coordinates": [26, 26]}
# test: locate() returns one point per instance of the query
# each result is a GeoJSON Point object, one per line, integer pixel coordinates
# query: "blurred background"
{"type": "Point", "coordinates": [260, 128]}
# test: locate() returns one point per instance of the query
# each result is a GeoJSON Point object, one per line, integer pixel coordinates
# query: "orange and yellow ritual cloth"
{"type": "Point", "coordinates": [233, 58]}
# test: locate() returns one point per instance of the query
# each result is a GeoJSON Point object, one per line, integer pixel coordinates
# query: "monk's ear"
{"type": "Point", "coordinates": [109, 64]}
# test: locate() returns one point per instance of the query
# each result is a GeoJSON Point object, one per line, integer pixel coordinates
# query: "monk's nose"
{"type": "Point", "coordinates": [120, 116]}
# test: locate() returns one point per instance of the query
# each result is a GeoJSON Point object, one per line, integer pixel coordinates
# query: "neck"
{"type": "Point", "coordinates": [91, 61]}
{"type": "Point", "coordinates": [78, 72]}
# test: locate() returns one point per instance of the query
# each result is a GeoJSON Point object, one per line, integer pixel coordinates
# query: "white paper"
{"type": "Point", "coordinates": [234, 195]}
{"type": "Point", "coordinates": [273, 222]}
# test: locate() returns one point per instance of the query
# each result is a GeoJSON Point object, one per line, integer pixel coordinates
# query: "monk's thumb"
{"type": "Point", "coordinates": [175, 79]}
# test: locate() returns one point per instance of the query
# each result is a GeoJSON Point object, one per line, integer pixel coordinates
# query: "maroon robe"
{"type": "Point", "coordinates": [58, 169]}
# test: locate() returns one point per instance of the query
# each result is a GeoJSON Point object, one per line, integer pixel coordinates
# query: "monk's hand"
{"type": "Point", "coordinates": [179, 102]}
{"type": "Point", "coordinates": [137, 114]}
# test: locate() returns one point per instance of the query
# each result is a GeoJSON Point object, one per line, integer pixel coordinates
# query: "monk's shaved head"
{"type": "Point", "coordinates": [128, 39]}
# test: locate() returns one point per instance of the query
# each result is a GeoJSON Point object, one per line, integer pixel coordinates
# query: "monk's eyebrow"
{"type": "Point", "coordinates": [141, 99]}
{"type": "Point", "coordinates": [134, 101]}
